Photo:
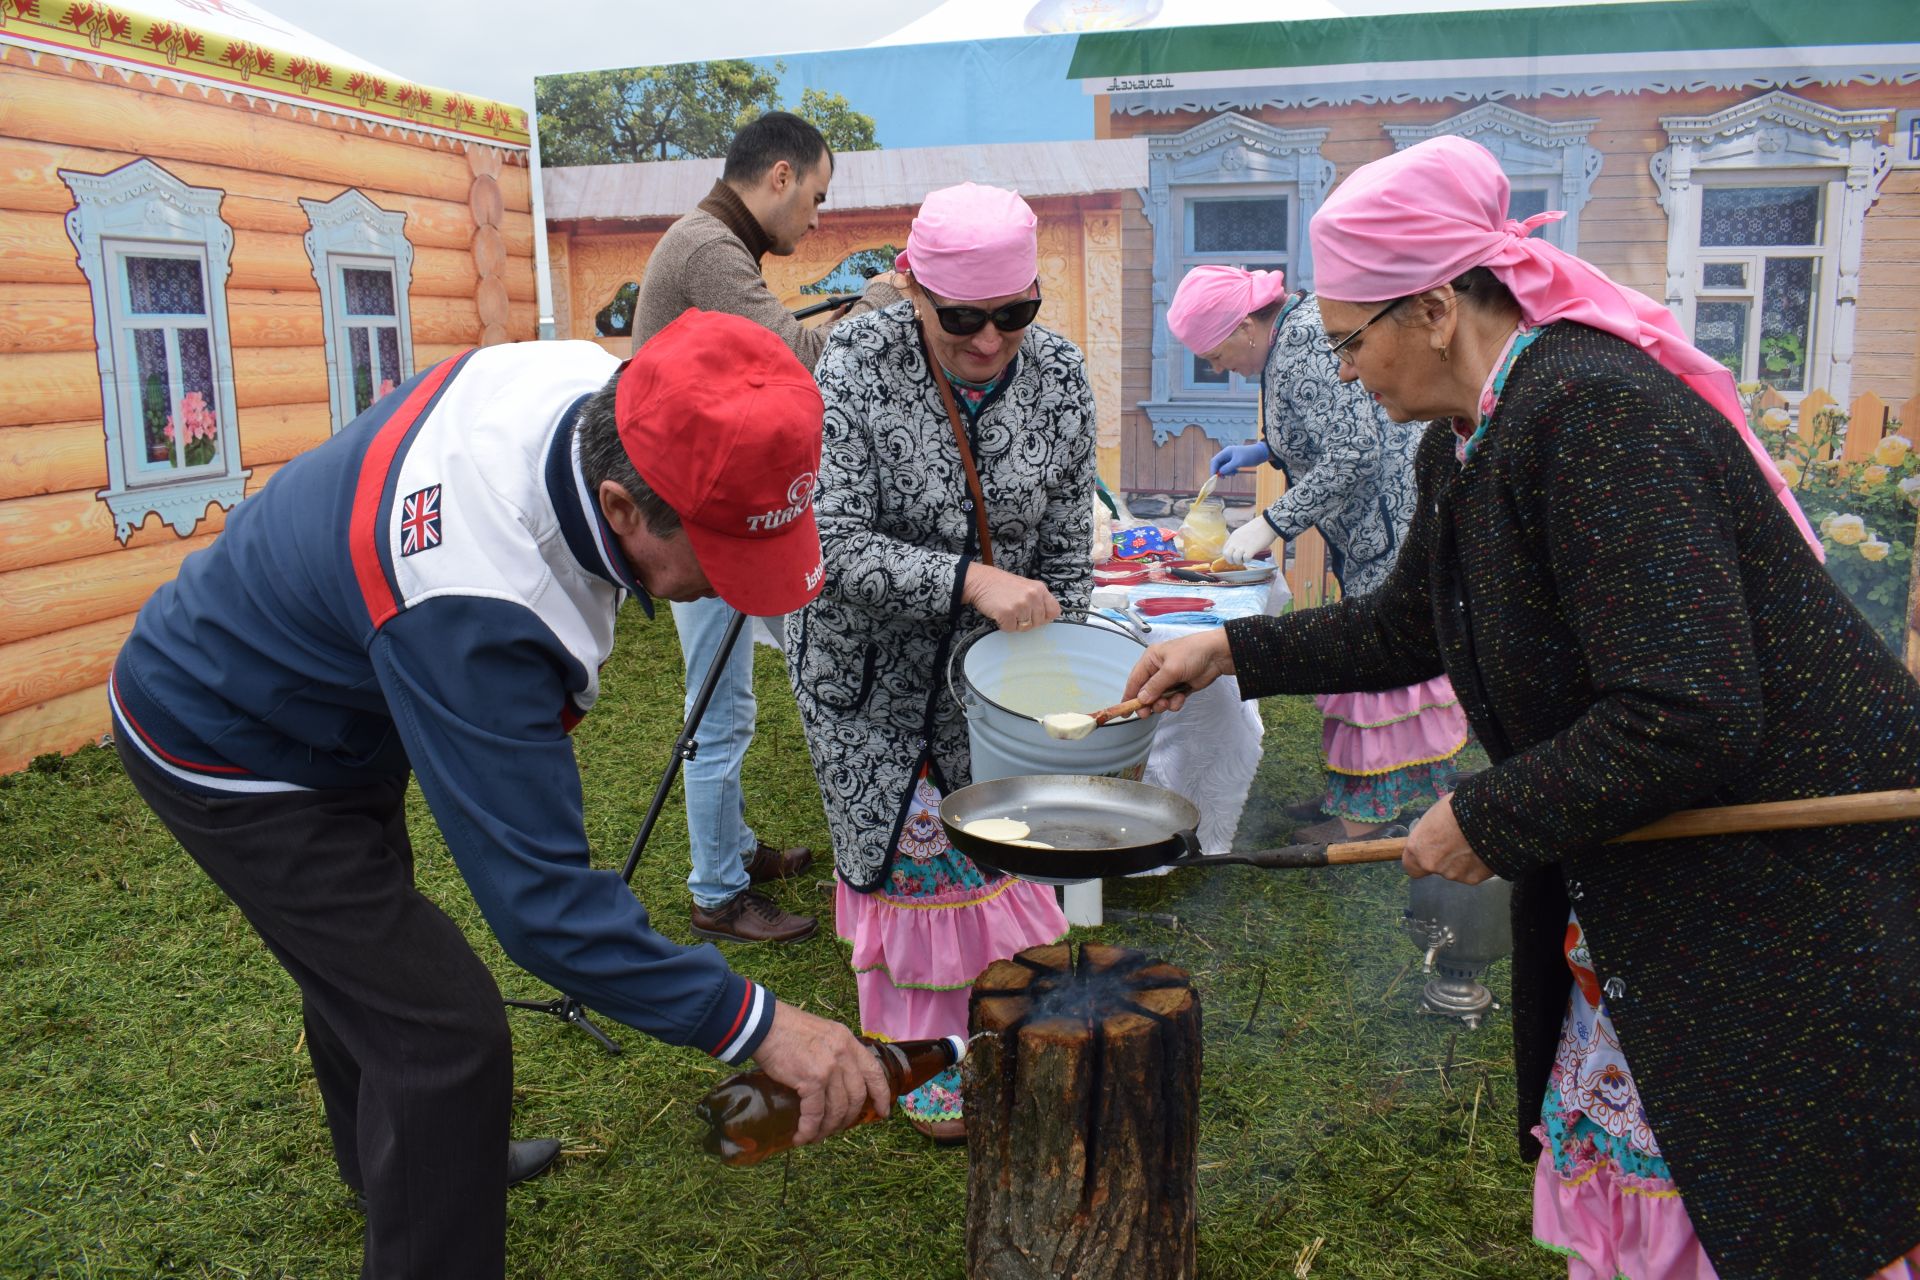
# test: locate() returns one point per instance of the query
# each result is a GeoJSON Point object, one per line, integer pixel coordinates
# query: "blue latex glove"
{"type": "Point", "coordinates": [1235, 456]}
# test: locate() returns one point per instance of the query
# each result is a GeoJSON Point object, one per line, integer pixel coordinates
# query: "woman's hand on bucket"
{"type": "Point", "coordinates": [1194, 661]}
{"type": "Point", "coordinates": [1009, 601]}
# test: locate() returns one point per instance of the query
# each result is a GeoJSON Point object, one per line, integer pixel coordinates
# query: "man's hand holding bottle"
{"type": "Point", "coordinates": [835, 1075]}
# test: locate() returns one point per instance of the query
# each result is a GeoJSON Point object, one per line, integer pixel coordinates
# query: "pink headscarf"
{"type": "Point", "coordinates": [970, 243]}
{"type": "Point", "coordinates": [1420, 217]}
{"type": "Point", "coordinates": [1212, 301]}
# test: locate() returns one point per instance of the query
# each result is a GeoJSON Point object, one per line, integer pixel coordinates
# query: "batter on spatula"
{"type": "Point", "coordinates": [1068, 725]}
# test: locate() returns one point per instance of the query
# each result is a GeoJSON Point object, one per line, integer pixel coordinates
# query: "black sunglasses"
{"type": "Point", "coordinates": [1337, 347]}
{"type": "Point", "coordinates": [963, 322]}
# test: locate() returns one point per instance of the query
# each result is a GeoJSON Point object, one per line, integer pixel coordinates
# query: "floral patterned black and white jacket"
{"type": "Point", "coordinates": [868, 657]}
{"type": "Point", "coordinates": [1349, 467]}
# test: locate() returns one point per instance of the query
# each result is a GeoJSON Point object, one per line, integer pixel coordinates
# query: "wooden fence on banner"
{"type": "Point", "coordinates": [1869, 419]}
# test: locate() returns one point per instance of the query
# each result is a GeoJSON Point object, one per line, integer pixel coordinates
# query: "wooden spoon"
{"type": "Point", "coordinates": [1071, 726]}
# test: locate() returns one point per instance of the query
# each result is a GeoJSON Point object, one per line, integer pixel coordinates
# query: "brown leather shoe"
{"type": "Point", "coordinates": [769, 863]}
{"type": "Point", "coordinates": [751, 917]}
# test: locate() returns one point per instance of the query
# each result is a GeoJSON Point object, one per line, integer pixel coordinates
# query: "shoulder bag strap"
{"type": "Point", "coordinates": [966, 453]}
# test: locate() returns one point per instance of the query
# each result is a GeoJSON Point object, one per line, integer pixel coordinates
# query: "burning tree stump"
{"type": "Point", "coordinates": [1082, 1093]}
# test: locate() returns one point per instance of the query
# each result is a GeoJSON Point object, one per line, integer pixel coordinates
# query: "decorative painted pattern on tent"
{"type": "Point", "coordinates": [178, 51]}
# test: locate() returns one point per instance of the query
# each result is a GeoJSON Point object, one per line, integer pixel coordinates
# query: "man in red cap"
{"type": "Point", "coordinates": [432, 592]}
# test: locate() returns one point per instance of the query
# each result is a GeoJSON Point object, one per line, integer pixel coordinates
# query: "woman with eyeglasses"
{"type": "Point", "coordinates": [1350, 475]}
{"type": "Point", "coordinates": [956, 487]}
{"type": "Point", "coordinates": [1715, 1039]}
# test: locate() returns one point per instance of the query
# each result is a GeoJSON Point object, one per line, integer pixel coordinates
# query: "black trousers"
{"type": "Point", "coordinates": [404, 1023]}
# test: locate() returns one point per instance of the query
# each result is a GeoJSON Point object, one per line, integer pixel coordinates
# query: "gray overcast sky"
{"type": "Point", "coordinates": [494, 50]}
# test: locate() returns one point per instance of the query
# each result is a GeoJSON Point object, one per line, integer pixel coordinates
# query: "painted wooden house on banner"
{"type": "Point", "coordinates": [1753, 165]}
{"type": "Point", "coordinates": [220, 240]}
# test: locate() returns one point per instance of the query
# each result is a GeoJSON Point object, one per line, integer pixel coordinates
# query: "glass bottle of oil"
{"type": "Point", "coordinates": [752, 1116]}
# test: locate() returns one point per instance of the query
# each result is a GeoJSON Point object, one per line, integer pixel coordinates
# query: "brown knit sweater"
{"type": "Point", "coordinates": [710, 259]}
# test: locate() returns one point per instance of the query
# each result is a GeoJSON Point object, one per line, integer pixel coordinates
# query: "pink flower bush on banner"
{"type": "Point", "coordinates": [202, 429]}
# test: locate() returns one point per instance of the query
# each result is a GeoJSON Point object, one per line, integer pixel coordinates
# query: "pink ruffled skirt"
{"type": "Point", "coordinates": [1609, 1226]}
{"type": "Point", "coordinates": [1368, 733]}
{"type": "Point", "coordinates": [914, 962]}
{"type": "Point", "coordinates": [1388, 752]}
{"type": "Point", "coordinates": [921, 939]}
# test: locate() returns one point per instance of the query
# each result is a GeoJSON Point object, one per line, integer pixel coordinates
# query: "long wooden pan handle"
{"type": "Point", "coordinates": [1731, 819]}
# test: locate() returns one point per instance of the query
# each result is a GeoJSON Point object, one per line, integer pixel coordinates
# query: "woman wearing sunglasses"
{"type": "Point", "coordinates": [956, 487]}
{"type": "Point", "coordinates": [1350, 473]}
{"type": "Point", "coordinates": [1714, 1038]}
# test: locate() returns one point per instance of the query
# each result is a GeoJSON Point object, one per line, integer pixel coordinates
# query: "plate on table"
{"type": "Point", "coordinates": [1247, 577]}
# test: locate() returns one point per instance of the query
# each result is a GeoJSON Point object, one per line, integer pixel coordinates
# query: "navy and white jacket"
{"type": "Point", "coordinates": [434, 589]}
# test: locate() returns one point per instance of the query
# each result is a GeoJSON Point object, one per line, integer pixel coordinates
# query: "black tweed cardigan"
{"type": "Point", "coordinates": [1634, 626]}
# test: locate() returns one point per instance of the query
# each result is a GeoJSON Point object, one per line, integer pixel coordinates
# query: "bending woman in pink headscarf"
{"type": "Point", "coordinates": [1714, 1038]}
{"type": "Point", "coordinates": [906, 576]}
{"type": "Point", "coordinates": [1350, 473]}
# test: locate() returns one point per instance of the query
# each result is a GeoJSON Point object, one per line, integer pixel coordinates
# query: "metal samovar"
{"type": "Point", "coordinates": [1463, 929]}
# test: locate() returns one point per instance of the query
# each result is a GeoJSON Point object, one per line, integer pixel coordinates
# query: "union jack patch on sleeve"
{"type": "Point", "coordinates": [420, 521]}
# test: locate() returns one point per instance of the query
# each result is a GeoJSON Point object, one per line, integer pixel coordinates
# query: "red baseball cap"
{"type": "Point", "coordinates": [723, 422]}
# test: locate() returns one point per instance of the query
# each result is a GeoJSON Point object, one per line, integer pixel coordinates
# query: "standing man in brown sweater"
{"type": "Point", "coordinates": [767, 200]}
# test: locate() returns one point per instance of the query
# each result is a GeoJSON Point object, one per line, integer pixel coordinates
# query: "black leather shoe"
{"type": "Point", "coordinates": [528, 1158]}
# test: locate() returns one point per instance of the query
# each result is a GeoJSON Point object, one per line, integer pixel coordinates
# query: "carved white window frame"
{"type": "Point", "coordinates": [1186, 200]}
{"type": "Point", "coordinates": [1779, 139]}
{"type": "Point", "coordinates": [1229, 155]}
{"type": "Point", "coordinates": [1536, 154]}
{"type": "Point", "coordinates": [352, 231]}
{"type": "Point", "coordinates": [141, 210]}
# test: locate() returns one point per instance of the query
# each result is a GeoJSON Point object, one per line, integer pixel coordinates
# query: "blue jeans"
{"type": "Point", "coordinates": [717, 829]}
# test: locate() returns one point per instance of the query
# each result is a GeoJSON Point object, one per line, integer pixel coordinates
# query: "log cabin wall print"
{"type": "Point", "coordinates": [220, 240]}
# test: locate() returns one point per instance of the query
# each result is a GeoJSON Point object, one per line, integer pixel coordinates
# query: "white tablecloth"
{"type": "Point", "coordinates": [1209, 749]}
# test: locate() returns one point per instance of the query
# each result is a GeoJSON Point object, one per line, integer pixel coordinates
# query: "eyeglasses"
{"type": "Point", "coordinates": [1340, 348]}
{"type": "Point", "coordinates": [963, 322]}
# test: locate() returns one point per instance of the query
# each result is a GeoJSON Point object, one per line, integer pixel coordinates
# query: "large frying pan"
{"type": "Point", "coordinates": [1111, 827]}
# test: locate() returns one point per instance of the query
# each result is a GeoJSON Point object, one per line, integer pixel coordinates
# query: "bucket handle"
{"type": "Point", "coordinates": [966, 703]}
{"type": "Point", "coordinates": [1087, 617]}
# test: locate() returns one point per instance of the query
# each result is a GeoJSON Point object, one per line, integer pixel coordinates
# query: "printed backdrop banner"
{"type": "Point", "coordinates": [1752, 164]}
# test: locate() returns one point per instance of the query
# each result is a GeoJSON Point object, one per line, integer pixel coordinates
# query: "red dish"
{"type": "Point", "coordinates": [1154, 606]}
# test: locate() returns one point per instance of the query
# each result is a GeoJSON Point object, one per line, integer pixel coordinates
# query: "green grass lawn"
{"type": "Point", "coordinates": [158, 1114]}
